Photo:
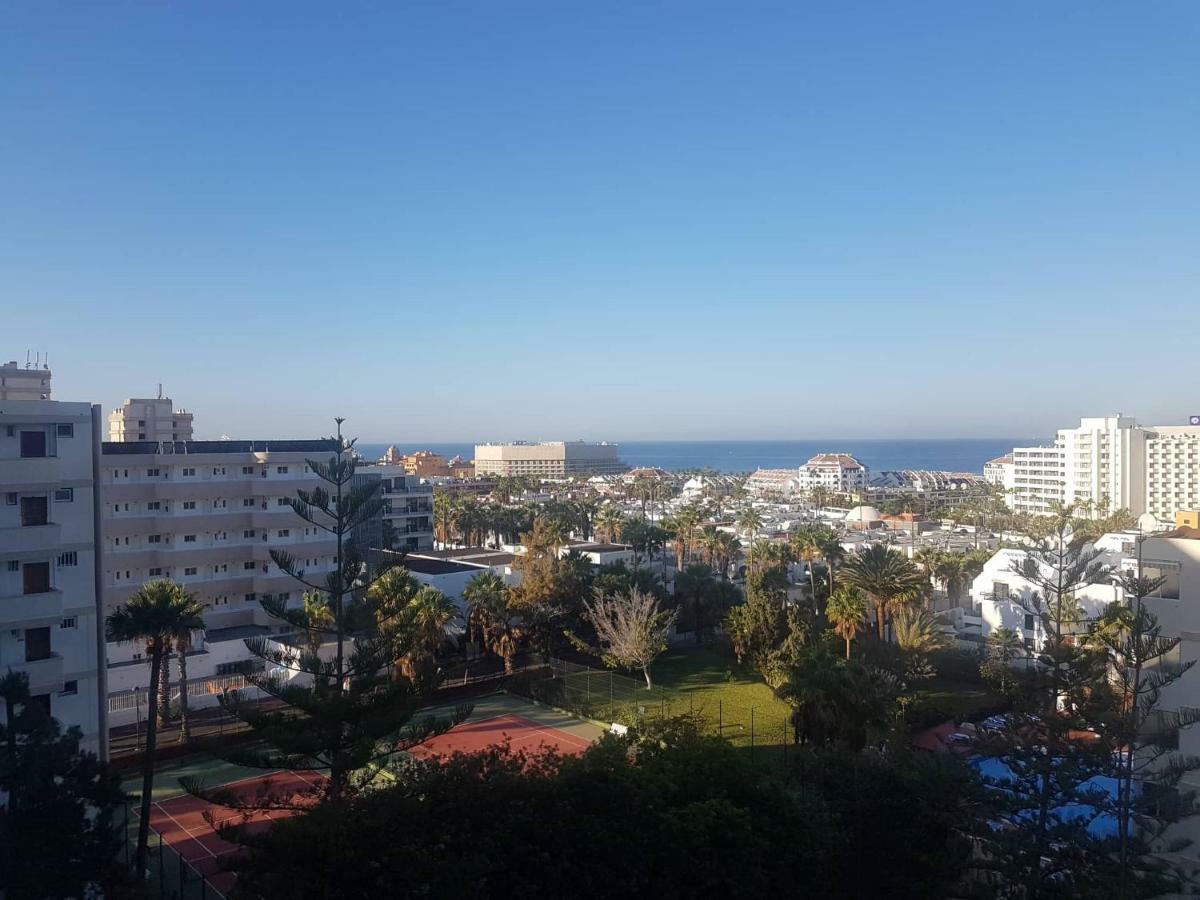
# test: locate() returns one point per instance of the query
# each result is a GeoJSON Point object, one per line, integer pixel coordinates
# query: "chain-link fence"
{"type": "Point", "coordinates": [168, 875]}
{"type": "Point", "coordinates": [606, 696]}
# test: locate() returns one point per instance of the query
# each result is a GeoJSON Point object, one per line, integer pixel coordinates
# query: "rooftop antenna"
{"type": "Point", "coordinates": [160, 390]}
{"type": "Point", "coordinates": [27, 359]}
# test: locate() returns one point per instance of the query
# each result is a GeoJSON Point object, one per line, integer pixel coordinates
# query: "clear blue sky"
{"type": "Point", "coordinates": [626, 220]}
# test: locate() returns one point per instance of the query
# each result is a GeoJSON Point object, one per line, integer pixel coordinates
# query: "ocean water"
{"type": "Point", "coordinates": [950, 454]}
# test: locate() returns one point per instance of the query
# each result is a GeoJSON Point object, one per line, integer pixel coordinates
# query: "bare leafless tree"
{"type": "Point", "coordinates": [631, 628]}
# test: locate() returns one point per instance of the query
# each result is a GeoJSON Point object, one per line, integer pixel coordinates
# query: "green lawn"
{"type": "Point", "coordinates": [708, 675]}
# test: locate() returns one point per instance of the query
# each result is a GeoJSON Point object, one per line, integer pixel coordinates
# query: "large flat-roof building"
{"type": "Point", "coordinates": [206, 514]}
{"type": "Point", "coordinates": [551, 459]}
{"type": "Point", "coordinates": [838, 472]}
{"type": "Point", "coordinates": [1111, 462]}
{"type": "Point", "coordinates": [51, 620]}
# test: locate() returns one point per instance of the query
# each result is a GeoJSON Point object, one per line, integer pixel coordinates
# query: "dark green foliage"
{"type": "Point", "coordinates": [690, 818]}
{"type": "Point", "coordinates": [57, 836]}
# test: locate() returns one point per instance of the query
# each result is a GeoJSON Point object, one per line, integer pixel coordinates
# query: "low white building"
{"type": "Point", "coordinates": [773, 483]}
{"type": "Point", "coordinates": [998, 594]}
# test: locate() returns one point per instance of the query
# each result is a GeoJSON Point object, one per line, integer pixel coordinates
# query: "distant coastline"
{"type": "Point", "coordinates": [949, 454]}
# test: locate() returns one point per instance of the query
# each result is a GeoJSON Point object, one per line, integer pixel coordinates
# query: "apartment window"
{"type": "Point", "coordinates": [34, 511]}
{"type": "Point", "coordinates": [10, 498]}
{"type": "Point", "coordinates": [33, 444]}
{"type": "Point", "coordinates": [141, 435]}
{"type": "Point", "coordinates": [1169, 573]}
{"type": "Point", "coordinates": [281, 501]}
{"type": "Point", "coordinates": [281, 470]}
{"type": "Point", "coordinates": [218, 470]}
{"type": "Point", "coordinates": [248, 534]}
{"type": "Point", "coordinates": [66, 430]}
{"type": "Point", "coordinates": [223, 600]}
{"type": "Point", "coordinates": [1000, 590]}
{"type": "Point", "coordinates": [67, 559]}
{"type": "Point", "coordinates": [141, 423]}
{"type": "Point", "coordinates": [14, 565]}
{"type": "Point", "coordinates": [10, 430]}
{"type": "Point", "coordinates": [247, 501]}
{"type": "Point", "coordinates": [189, 472]}
{"type": "Point", "coordinates": [284, 532]}
{"type": "Point", "coordinates": [67, 623]}
{"type": "Point", "coordinates": [247, 470]}
{"type": "Point", "coordinates": [250, 598]}
{"type": "Point", "coordinates": [1028, 621]}
{"type": "Point", "coordinates": [37, 644]}
{"type": "Point", "coordinates": [189, 504]}
{"type": "Point", "coordinates": [247, 566]}
{"type": "Point", "coordinates": [154, 505]}
{"type": "Point", "coordinates": [189, 570]}
{"type": "Point", "coordinates": [64, 495]}
{"type": "Point", "coordinates": [154, 539]}
{"type": "Point", "coordinates": [36, 578]}
{"type": "Point", "coordinates": [70, 688]}
{"type": "Point", "coordinates": [156, 572]}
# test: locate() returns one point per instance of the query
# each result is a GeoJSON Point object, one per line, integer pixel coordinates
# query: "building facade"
{"type": "Point", "coordinates": [149, 419]}
{"type": "Point", "coordinates": [998, 471]}
{"type": "Point", "coordinates": [51, 620]}
{"type": "Point", "coordinates": [206, 514]}
{"type": "Point", "coordinates": [407, 506]}
{"type": "Point", "coordinates": [1110, 463]}
{"type": "Point", "coordinates": [553, 459]}
{"type": "Point", "coordinates": [839, 472]}
{"type": "Point", "coordinates": [24, 382]}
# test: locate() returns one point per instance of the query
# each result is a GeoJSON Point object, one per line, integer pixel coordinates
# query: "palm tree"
{"type": "Point", "coordinates": [684, 525]}
{"type": "Point", "coordinates": [1003, 646]}
{"type": "Point", "coordinates": [155, 615]}
{"type": "Point", "coordinates": [847, 612]}
{"type": "Point", "coordinates": [829, 542]}
{"type": "Point", "coordinates": [950, 570]}
{"type": "Point", "coordinates": [710, 544]}
{"type": "Point", "coordinates": [918, 632]}
{"type": "Point", "coordinates": [888, 579]}
{"type": "Point", "coordinates": [443, 515]}
{"type": "Point", "coordinates": [609, 523]}
{"type": "Point", "coordinates": [751, 523]}
{"type": "Point", "coordinates": [183, 643]}
{"type": "Point", "coordinates": [424, 621]}
{"type": "Point", "coordinates": [805, 547]}
{"type": "Point", "coordinates": [489, 616]}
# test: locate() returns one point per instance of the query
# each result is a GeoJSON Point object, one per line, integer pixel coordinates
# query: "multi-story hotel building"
{"type": "Point", "coordinates": [206, 514]}
{"type": "Point", "coordinates": [149, 419]}
{"type": "Point", "coordinates": [839, 472]}
{"type": "Point", "coordinates": [51, 621]}
{"type": "Point", "coordinates": [553, 459]}
{"type": "Point", "coordinates": [1111, 462]}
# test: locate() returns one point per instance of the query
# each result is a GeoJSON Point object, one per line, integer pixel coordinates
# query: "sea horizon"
{"type": "Point", "coordinates": [746, 455]}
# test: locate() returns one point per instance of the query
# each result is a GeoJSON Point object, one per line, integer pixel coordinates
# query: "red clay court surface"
{"type": "Point", "coordinates": [180, 821]}
{"type": "Point", "coordinates": [518, 732]}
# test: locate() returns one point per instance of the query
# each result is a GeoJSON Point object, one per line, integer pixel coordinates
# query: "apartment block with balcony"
{"type": "Point", "coordinates": [407, 506]}
{"type": "Point", "coordinates": [206, 514]}
{"type": "Point", "coordinates": [549, 459]}
{"type": "Point", "coordinates": [149, 419]}
{"type": "Point", "coordinates": [51, 621]}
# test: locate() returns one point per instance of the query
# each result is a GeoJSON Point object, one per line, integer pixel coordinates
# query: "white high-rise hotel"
{"type": "Point", "coordinates": [1111, 462]}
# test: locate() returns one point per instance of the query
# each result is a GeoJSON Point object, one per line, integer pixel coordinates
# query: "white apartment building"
{"type": "Point", "coordinates": [407, 505]}
{"type": "Point", "coordinates": [773, 483]}
{"type": "Point", "coordinates": [149, 419]}
{"type": "Point", "coordinates": [51, 620]}
{"type": "Point", "coordinates": [551, 459]}
{"type": "Point", "coordinates": [24, 382]}
{"type": "Point", "coordinates": [207, 515]}
{"type": "Point", "coordinates": [1172, 469]}
{"type": "Point", "coordinates": [998, 471]}
{"type": "Point", "coordinates": [1112, 462]}
{"type": "Point", "coordinates": [838, 472]}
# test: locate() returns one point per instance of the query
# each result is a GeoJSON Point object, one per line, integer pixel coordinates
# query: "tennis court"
{"type": "Point", "coordinates": [522, 725]}
{"type": "Point", "coordinates": [184, 827]}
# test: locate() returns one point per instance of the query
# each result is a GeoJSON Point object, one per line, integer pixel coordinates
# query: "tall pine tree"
{"type": "Point", "coordinates": [347, 714]}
